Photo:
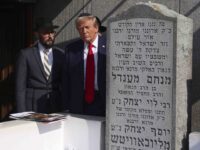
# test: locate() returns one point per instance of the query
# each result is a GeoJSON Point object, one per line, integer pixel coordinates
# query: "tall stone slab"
{"type": "Point", "coordinates": [148, 67]}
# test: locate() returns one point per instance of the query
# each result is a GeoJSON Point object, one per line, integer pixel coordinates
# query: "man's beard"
{"type": "Point", "coordinates": [47, 44]}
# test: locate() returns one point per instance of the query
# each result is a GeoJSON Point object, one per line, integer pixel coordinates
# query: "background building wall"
{"type": "Point", "coordinates": [64, 12]}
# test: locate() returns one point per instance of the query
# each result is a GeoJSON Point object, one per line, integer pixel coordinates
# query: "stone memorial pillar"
{"type": "Point", "coordinates": [148, 66]}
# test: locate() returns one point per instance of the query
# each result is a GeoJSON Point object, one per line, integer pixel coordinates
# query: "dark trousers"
{"type": "Point", "coordinates": [96, 108]}
{"type": "Point", "coordinates": [49, 102]}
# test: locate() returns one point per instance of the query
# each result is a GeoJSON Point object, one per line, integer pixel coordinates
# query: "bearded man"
{"type": "Point", "coordinates": [38, 72]}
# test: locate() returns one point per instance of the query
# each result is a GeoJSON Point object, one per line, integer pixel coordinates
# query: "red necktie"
{"type": "Point", "coordinates": [89, 80]}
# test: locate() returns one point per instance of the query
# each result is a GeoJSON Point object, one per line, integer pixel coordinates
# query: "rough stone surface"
{"type": "Point", "coordinates": [148, 71]}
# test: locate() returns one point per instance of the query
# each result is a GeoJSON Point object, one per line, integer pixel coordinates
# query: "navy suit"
{"type": "Point", "coordinates": [73, 79]}
{"type": "Point", "coordinates": [33, 91]}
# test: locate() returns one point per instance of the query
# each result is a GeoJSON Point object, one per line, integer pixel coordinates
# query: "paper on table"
{"type": "Point", "coordinates": [40, 117]}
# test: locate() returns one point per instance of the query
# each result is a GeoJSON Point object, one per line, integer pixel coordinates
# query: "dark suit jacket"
{"type": "Point", "coordinates": [73, 78]}
{"type": "Point", "coordinates": [33, 91]}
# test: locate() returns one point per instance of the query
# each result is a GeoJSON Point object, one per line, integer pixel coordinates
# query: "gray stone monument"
{"type": "Point", "coordinates": [148, 66]}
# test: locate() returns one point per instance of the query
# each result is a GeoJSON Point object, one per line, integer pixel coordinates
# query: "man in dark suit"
{"type": "Point", "coordinates": [84, 87]}
{"type": "Point", "coordinates": [38, 72]}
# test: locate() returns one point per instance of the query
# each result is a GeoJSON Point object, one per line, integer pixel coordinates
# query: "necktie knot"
{"type": "Point", "coordinates": [90, 46]}
{"type": "Point", "coordinates": [46, 51]}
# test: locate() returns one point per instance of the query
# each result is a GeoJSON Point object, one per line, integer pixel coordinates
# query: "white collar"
{"type": "Point", "coordinates": [94, 43]}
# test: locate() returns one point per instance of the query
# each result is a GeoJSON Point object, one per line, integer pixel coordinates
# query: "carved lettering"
{"type": "Point", "coordinates": [140, 83]}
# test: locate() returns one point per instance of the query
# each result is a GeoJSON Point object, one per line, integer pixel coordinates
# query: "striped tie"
{"type": "Point", "coordinates": [47, 67]}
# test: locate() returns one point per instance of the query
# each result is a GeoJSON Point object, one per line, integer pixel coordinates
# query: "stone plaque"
{"type": "Point", "coordinates": [141, 81]}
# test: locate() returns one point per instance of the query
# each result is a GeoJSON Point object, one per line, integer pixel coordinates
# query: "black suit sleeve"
{"type": "Point", "coordinates": [20, 82]}
{"type": "Point", "coordinates": [65, 83]}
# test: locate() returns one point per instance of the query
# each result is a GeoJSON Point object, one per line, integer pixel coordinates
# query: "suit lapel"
{"type": "Point", "coordinates": [81, 57]}
{"type": "Point", "coordinates": [55, 59]}
{"type": "Point", "coordinates": [53, 64]}
{"type": "Point", "coordinates": [77, 62]}
{"type": "Point", "coordinates": [101, 59]}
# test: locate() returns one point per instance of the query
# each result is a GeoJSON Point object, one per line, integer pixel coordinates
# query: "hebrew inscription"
{"type": "Point", "coordinates": [141, 84]}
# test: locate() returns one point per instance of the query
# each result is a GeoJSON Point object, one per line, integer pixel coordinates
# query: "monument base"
{"type": "Point", "coordinates": [194, 141]}
{"type": "Point", "coordinates": [73, 133]}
